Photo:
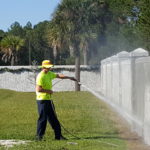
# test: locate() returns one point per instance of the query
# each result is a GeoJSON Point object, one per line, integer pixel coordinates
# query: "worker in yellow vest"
{"type": "Point", "coordinates": [45, 105]}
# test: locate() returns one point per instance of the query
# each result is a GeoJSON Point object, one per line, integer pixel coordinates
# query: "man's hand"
{"type": "Point", "coordinates": [40, 89]}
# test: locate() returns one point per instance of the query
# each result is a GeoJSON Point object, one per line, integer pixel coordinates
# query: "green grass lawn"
{"type": "Point", "coordinates": [81, 113]}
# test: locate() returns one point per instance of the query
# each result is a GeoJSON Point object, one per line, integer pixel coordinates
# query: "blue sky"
{"type": "Point", "coordinates": [23, 11]}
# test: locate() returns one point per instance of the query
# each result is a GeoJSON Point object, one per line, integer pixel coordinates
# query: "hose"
{"type": "Point", "coordinates": [79, 138]}
{"type": "Point", "coordinates": [61, 123]}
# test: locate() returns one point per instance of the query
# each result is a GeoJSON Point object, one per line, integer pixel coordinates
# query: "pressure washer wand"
{"type": "Point", "coordinates": [84, 86]}
{"type": "Point", "coordinates": [79, 83]}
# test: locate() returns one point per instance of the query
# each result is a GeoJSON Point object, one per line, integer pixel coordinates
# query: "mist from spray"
{"type": "Point", "coordinates": [124, 114]}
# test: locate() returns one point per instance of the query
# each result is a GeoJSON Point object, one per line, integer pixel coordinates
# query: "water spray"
{"type": "Point", "coordinates": [108, 101]}
{"type": "Point", "coordinates": [119, 110]}
{"type": "Point", "coordinates": [96, 94]}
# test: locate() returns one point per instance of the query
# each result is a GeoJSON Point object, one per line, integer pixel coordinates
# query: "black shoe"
{"type": "Point", "coordinates": [60, 138]}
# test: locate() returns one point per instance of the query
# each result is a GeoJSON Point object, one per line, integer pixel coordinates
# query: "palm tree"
{"type": "Point", "coordinates": [10, 45]}
{"type": "Point", "coordinates": [67, 28]}
{"type": "Point", "coordinates": [54, 38]}
{"type": "Point", "coordinates": [77, 22]}
{"type": "Point", "coordinates": [85, 39]}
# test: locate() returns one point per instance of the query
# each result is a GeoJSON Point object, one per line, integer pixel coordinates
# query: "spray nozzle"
{"type": "Point", "coordinates": [79, 83]}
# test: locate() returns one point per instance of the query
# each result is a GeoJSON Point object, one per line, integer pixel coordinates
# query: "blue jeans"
{"type": "Point", "coordinates": [46, 112]}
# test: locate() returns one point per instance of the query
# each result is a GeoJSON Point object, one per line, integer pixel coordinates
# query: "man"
{"type": "Point", "coordinates": [45, 105]}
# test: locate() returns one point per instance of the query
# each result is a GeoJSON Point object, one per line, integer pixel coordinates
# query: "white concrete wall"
{"type": "Point", "coordinates": [25, 80]}
{"type": "Point", "coordinates": [126, 84]}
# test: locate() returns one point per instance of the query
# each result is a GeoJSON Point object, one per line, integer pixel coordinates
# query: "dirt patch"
{"type": "Point", "coordinates": [11, 143]}
{"type": "Point", "coordinates": [134, 142]}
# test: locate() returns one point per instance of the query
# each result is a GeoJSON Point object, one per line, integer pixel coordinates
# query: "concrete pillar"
{"type": "Point", "coordinates": [108, 77]}
{"type": "Point", "coordinates": [103, 77]}
{"type": "Point", "coordinates": [137, 110]}
{"type": "Point", "coordinates": [122, 56]}
{"type": "Point", "coordinates": [147, 102]}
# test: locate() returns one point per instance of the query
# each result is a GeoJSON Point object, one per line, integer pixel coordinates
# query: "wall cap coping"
{"type": "Point", "coordinates": [114, 58]}
{"type": "Point", "coordinates": [123, 54]}
{"type": "Point", "coordinates": [139, 52]}
{"type": "Point", "coordinates": [56, 68]}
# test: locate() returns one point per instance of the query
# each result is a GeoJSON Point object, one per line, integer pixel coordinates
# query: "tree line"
{"type": "Point", "coordinates": [80, 32]}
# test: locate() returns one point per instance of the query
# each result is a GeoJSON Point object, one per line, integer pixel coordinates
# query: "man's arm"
{"type": "Point", "coordinates": [61, 76]}
{"type": "Point", "coordinates": [40, 89]}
